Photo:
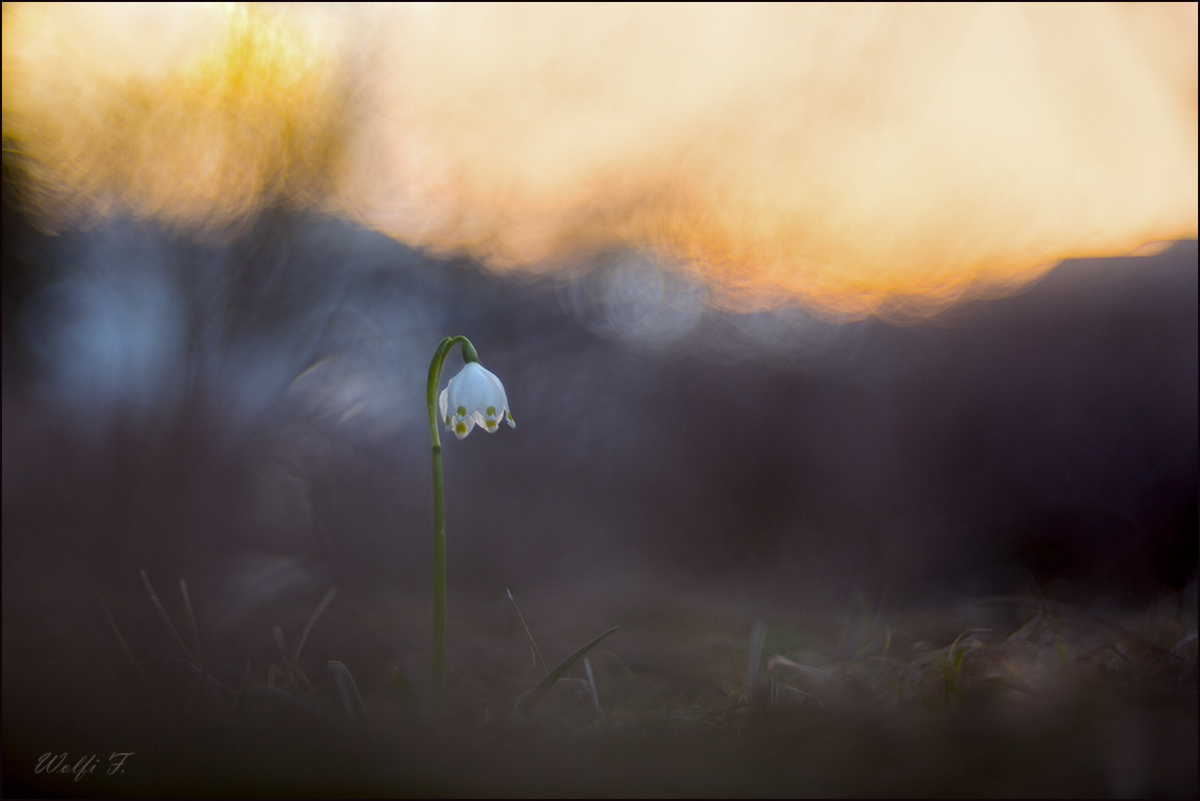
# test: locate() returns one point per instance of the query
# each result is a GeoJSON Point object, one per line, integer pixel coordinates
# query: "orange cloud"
{"type": "Point", "coordinates": [855, 158]}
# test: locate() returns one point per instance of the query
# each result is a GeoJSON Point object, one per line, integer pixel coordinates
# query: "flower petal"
{"type": "Point", "coordinates": [474, 397]}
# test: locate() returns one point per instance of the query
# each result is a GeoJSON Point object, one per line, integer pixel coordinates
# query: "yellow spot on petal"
{"type": "Point", "coordinates": [462, 411]}
{"type": "Point", "coordinates": [491, 411]}
{"type": "Point", "coordinates": [491, 425]}
{"type": "Point", "coordinates": [460, 429]}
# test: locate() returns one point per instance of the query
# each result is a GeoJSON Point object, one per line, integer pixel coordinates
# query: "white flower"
{"type": "Point", "coordinates": [474, 397]}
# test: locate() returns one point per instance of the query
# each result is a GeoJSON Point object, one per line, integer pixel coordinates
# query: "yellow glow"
{"type": "Point", "coordinates": [885, 159]}
{"type": "Point", "coordinates": [195, 115]}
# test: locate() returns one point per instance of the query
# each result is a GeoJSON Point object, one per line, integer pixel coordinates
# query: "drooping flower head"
{"type": "Point", "coordinates": [474, 397]}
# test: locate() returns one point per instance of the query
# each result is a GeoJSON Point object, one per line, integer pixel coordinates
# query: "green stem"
{"type": "Point", "coordinates": [438, 666]}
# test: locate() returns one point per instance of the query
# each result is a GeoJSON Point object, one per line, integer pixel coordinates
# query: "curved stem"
{"type": "Point", "coordinates": [438, 664]}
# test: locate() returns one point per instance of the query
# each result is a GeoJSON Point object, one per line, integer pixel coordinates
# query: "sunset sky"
{"type": "Point", "coordinates": [854, 159]}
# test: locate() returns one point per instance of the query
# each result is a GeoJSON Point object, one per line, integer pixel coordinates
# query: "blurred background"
{"type": "Point", "coordinates": [195, 410]}
{"type": "Point", "coordinates": [742, 370]}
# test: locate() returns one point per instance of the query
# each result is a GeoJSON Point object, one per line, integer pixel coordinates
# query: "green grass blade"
{"type": "Point", "coordinates": [351, 699]}
{"type": "Point", "coordinates": [124, 646]}
{"type": "Point", "coordinates": [527, 701]}
{"type": "Point", "coordinates": [191, 615]}
{"type": "Point", "coordinates": [757, 638]}
{"type": "Point", "coordinates": [537, 655]}
{"type": "Point", "coordinates": [587, 666]}
{"type": "Point", "coordinates": [166, 619]}
{"type": "Point", "coordinates": [312, 619]}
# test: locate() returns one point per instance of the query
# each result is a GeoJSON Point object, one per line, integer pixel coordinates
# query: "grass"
{"type": "Point", "coordinates": [693, 695]}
